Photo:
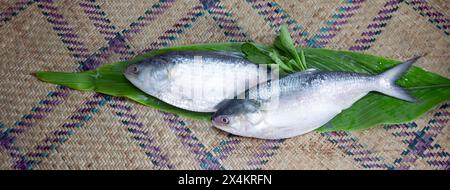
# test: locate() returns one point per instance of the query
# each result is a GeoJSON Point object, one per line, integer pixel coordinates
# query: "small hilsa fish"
{"type": "Point", "coordinates": [303, 101]}
{"type": "Point", "coordinates": [196, 80]}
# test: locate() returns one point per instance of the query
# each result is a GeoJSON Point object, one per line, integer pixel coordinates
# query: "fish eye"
{"type": "Point", "coordinates": [225, 120]}
{"type": "Point", "coordinates": [134, 69]}
{"type": "Point", "coordinates": [222, 120]}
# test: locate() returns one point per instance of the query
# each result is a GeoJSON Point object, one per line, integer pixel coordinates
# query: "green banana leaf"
{"type": "Point", "coordinates": [431, 89]}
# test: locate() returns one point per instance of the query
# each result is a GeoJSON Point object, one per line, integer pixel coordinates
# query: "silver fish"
{"type": "Point", "coordinates": [196, 80]}
{"type": "Point", "coordinates": [303, 101]}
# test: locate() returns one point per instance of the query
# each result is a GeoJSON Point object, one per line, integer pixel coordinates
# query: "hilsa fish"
{"type": "Point", "coordinates": [196, 80]}
{"type": "Point", "coordinates": [303, 101]}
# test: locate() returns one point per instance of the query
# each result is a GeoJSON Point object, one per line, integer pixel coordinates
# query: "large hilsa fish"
{"type": "Point", "coordinates": [303, 101]}
{"type": "Point", "coordinates": [196, 80]}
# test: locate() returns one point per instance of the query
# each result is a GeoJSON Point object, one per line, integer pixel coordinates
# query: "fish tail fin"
{"type": "Point", "coordinates": [387, 81]}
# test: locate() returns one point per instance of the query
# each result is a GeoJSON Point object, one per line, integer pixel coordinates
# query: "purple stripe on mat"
{"type": "Point", "coordinates": [435, 17]}
{"type": "Point", "coordinates": [14, 10]}
{"type": "Point", "coordinates": [230, 143]}
{"type": "Point", "coordinates": [101, 22]}
{"type": "Point", "coordinates": [226, 147]}
{"type": "Point", "coordinates": [53, 98]}
{"type": "Point", "coordinates": [350, 145]}
{"type": "Point", "coordinates": [169, 35]}
{"type": "Point", "coordinates": [264, 153]}
{"type": "Point", "coordinates": [369, 36]}
{"type": "Point", "coordinates": [364, 156]}
{"type": "Point", "coordinates": [207, 160]}
{"type": "Point", "coordinates": [375, 28]}
{"type": "Point", "coordinates": [344, 140]}
{"type": "Point", "coordinates": [59, 136]}
{"type": "Point", "coordinates": [276, 16]}
{"type": "Point", "coordinates": [421, 142]}
{"type": "Point", "coordinates": [74, 45]}
{"type": "Point", "coordinates": [177, 25]}
{"type": "Point", "coordinates": [334, 25]}
{"type": "Point", "coordinates": [117, 44]}
{"type": "Point", "coordinates": [98, 17]}
{"type": "Point", "coordinates": [224, 20]}
{"type": "Point", "coordinates": [112, 47]}
{"type": "Point", "coordinates": [144, 139]}
{"type": "Point", "coordinates": [64, 30]}
{"type": "Point", "coordinates": [155, 157]}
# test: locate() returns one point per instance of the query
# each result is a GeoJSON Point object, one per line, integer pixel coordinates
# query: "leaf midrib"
{"type": "Point", "coordinates": [428, 86]}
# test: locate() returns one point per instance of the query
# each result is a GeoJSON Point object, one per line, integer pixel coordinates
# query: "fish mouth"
{"type": "Point", "coordinates": [131, 76]}
{"type": "Point", "coordinates": [221, 127]}
{"type": "Point", "coordinates": [128, 75]}
{"type": "Point", "coordinates": [216, 124]}
{"type": "Point", "coordinates": [132, 79]}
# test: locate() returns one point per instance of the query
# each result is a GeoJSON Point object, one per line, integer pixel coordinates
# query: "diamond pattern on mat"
{"type": "Point", "coordinates": [73, 14]}
{"type": "Point", "coordinates": [24, 45]}
{"type": "Point", "coordinates": [165, 15]}
{"type": "Point", "coordinates": [311, 14]}
{"type": "Point", "coordinates": [403, 44]}
{"type": "Point", "coordinates": [114, 147]}
{"type": "Point", "coordinates": [203, 30]}
{"type": "Point", "coordinates": [11, 8]}
{"type": "Point", "coordinates": [122, 13]}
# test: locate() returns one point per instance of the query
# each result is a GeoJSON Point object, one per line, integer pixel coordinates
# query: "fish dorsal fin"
{"type": "Point", "coordinates": [311, 70]}
{"type": "Point", "coordinates": [303, 73]}
{"type": "Point", "coordinates": [230, 53]}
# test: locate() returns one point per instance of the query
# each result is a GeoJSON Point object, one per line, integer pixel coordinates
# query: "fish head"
{"type": "Point", "coordinates": [149, 75]}
{"type": "Point", "coordinates": [238, 116]}
{"type": "Point", "coordinates": [134, 72]}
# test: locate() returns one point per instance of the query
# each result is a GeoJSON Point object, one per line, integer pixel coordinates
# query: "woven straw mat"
{"type": "Point", "coordinates": [45, 126]}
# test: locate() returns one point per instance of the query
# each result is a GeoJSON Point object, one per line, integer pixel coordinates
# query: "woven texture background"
{"type": "Point", "coordinates": [44, 126]}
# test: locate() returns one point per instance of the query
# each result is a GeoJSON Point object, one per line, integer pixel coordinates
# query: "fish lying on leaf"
{"type": "Point", "coordinates": [196, 80]}
{"type": "Point", "coordinates": [303, 101]}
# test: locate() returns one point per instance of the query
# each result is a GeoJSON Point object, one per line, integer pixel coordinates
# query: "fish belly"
{"type": "Point", "coordinates": [310, 110]}
{"type": "Point", "coordinates": [297, 119]}
{"type": "Point", "coordinates": [200, 87]}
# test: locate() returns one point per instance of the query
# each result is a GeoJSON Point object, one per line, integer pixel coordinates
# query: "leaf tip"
{"type": "Point", "coordinates": [284, 27]}
{"type": "Point", "coordinates": [38, 74]}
